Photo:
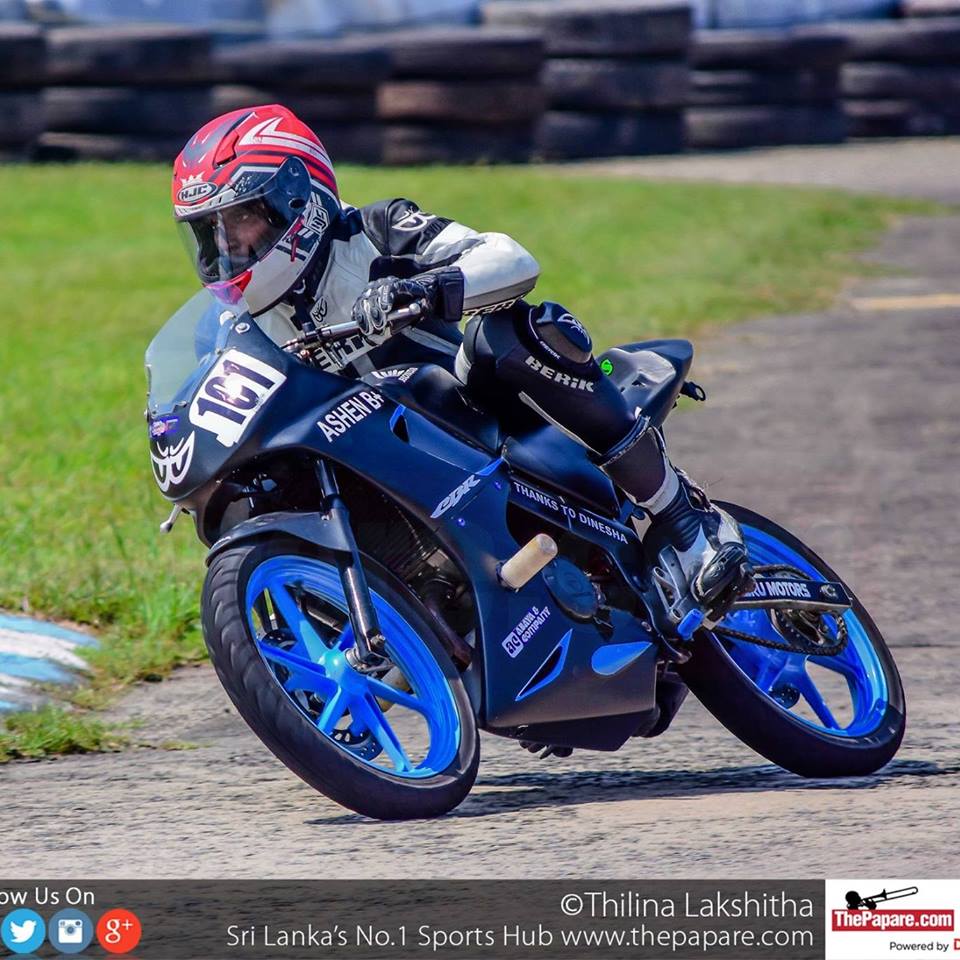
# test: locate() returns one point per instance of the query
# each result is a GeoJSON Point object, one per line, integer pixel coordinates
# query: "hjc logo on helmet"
{"type": "Point", "coordinates": [194, 189]}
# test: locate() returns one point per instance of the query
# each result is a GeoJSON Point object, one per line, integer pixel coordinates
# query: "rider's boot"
{"type": "Point", "coordinates": [695, 549]}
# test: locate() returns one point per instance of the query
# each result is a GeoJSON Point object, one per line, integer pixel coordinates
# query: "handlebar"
{"type": "Point", "coordinates": [397, 320]}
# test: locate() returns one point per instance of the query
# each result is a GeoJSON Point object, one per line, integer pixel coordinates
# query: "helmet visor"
{"type": "Point", "coordinates": [223, 243]}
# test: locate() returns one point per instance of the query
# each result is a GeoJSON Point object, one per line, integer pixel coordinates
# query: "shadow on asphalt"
{"type": "Point", "coordinates": [530, 789]}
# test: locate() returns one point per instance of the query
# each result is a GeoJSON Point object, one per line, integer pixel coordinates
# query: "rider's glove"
{"type": "Point", "coordinates": [438, 292]}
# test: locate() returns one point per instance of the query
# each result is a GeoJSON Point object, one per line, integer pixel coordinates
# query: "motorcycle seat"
{"type": "Point", "coordinates": [650, 374]}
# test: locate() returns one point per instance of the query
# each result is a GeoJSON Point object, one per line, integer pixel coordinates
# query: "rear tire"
{"type": "Point", "coordinates": [772, 730]}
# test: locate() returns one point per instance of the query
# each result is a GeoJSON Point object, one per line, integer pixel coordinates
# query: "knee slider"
{"type": "Point", "coordinates": [561, 334]}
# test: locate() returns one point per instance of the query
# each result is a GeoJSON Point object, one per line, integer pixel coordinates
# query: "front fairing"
{"type": "Point", "coordinates": [212, 376]}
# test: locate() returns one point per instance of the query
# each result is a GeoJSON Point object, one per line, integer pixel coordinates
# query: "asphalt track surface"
{"type": "Point", "coordinates": [923, 168]}
{"type": "Point", "coordinates": [843, 427]}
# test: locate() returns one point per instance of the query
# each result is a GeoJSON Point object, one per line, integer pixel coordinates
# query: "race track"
{"type": "Point", "coordinates": [844, 427]}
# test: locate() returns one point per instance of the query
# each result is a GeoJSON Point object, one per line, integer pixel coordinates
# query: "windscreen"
{"type": "Point", "coordinates": [185, 347]}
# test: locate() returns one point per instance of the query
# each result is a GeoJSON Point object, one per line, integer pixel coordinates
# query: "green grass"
{"type": "Point", "coordinates": [91, 267]}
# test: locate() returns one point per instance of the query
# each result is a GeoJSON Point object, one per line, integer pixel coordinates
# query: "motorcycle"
{"type": "Point", "coordinates": [392, 569]}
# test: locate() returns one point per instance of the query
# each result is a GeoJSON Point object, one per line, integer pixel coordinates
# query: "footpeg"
{"type": "Point", "coordinates": [527, 562]}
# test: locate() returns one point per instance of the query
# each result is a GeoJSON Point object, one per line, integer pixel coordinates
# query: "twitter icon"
{"type": "Point", "coordinates": [23, 931]}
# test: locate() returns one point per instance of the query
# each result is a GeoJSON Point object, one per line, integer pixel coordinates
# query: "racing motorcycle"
{"type": "Point", "coordinates": [392, 569]}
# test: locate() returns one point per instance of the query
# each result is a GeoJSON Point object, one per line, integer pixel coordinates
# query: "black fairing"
{"type": "Point", "coordinates": [425, 449]}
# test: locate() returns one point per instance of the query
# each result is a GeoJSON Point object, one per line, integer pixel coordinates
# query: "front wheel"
{"type": "Point", "coordinates": [816, 716]}
{"type": "Point", "coordinates": [396, 743]}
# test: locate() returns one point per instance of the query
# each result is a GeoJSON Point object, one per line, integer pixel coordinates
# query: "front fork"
{"type": "Point", "coordinates": [368, 650]}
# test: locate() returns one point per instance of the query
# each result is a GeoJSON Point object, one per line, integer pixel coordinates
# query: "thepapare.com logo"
{"type": "Point", "coordinates": [865, 914]}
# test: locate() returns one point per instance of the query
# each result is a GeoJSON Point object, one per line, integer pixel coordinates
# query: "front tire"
{"type": "Point", "coordinates": [275, 624]}
{"type": "Point", "coordinates": [749, 688]}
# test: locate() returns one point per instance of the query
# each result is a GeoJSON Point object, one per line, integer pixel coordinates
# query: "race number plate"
{"type": "Point", "coordinates": [232, 393]}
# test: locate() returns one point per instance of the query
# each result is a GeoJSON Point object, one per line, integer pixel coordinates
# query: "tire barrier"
{"type": "Point", "coordinates": [22, 69]}
{"type": "Point", "coordinates": [930, 8]}
{"type": "Point", "coordinates": [329, 84]}
{"type": "Point", "coordinates": [904, 78]}
{"type": "Point", "coordinates": [616, 80]}
{"type": "Point", "coordinates": [461, 95]}
{"type": "Point", "coordinates": [128, 55]}
{"type": "Point", "coordinates": [755, 88]}
{"type": "Point", "coordinates": [555, 79]}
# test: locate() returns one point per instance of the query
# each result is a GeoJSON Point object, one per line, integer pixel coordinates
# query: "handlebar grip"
{"type": "Point", "coordinates": [405, 316]}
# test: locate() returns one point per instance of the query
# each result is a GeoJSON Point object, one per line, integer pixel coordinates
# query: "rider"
{"type": "Point", "coordinates": [257, 204]}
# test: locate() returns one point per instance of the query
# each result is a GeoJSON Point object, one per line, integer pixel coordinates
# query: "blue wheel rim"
{"type": "Point", "coordinates": [341, 702]}
{"type": "Point", "coordinates": [779, 676]}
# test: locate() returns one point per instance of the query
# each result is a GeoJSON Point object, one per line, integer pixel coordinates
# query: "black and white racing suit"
{"type": "Point", "coordinates": [510, 352]}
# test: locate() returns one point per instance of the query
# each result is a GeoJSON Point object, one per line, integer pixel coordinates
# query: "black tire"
{"type": "Point", "coordinates": [752, 87]}
{"type": "Point", "coordinates": [930, 8]}
{"type": "Point", "coordinates": [605, 28]}
{"type": "Point", "coordinates": [896, 81]}
{"type": "Point", "coordinates": [774, 732]}
{"type": "Point", "coordinates": [727, 128]}
{"type": "Point", "coordinates": [898, 118]}
{"type": "Point", "coordinates": [23, 53]}
{"type": "Point", "coordinates": [470, 102]}
{"type": "Point", "coordinates": [353, 64]}
{"type": "Point", "coordinates": [568, 136]}
{"type": "Point", "coordinates": [909, 40]}
{"type": "Point", "coordinates": [584, 84]}
{"type": "Point", "coordinates": [353, 142]}
{"type": "Point", "coordinates": [129, 110]}
{"type": "Point", "coordinates": [313, 107]}
{"type": "Point", "coordinates": [21, 116]}
{"type": "Point", "coordinates": [135, 54]}
{"type": "Point", "coordinates": [465, 52]}
{"type": "Point", "coordinates": [285, 729]}
{"type": "Point", "coordinates": [767, 50]}
{"type": "Point", "coordinates": [54, 146]}
{"type": "Point", "coordinates": [420, 144]}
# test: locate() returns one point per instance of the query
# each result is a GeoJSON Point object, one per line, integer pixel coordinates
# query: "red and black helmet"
{"type": "Point", "coordinates": [254, 196]}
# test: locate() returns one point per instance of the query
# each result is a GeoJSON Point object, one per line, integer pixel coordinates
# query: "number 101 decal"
{"type": "Point", "coordinates": [233, 391]}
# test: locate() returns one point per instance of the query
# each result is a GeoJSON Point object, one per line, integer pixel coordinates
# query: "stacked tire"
{"type": "Point", "coordinates": [126, 92]}
{"type": "Point", "coordinates": [22, 58]}
{"type": "Point", "coordinates": [903, 78]}
{"type": "Point", "coordinates": [616, 77]}
{"type": "Point", "coordinates": [753, 88]}
{"type": "Point", "coordinates": [930, 8]}
{"type": "Point", "coordinates": [461, 95]}
{"type": "Point", "coordinates": [329, 84]}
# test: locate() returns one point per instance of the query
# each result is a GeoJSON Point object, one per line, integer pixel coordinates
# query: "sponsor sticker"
{"type": "Point", "coordinates": [401, 374]}
{"type": "Point", "coordinates": [347, 414]}
{"type": "Point", "coordinates": [527, 628]}
{"type": "Point", "coordinates": [161, 426]}
{"type": "Point", "coordinates": [780, 588]}
{"type": "Point", "coordinates": [576, 516]}
{"type": "Point", "coordinates": [171, 463]}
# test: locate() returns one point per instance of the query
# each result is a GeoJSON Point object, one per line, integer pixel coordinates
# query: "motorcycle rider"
{"type": "Point", "coordinates": [257, 205]}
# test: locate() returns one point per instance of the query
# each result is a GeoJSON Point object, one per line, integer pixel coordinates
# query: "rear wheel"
{"type": "Point", "coordinates": [832, 716]}
{"type": "Point", "coordinates": [396, 743]}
